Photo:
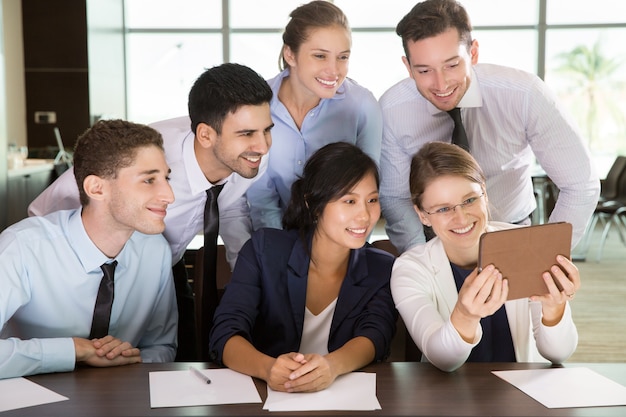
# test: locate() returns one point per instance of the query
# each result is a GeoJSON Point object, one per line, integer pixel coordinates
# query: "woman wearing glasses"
{"type": "Point", "coordinates": [454, 313]}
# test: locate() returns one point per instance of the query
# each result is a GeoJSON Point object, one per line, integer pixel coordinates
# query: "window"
{"type": "Point", "coordinates": [577, 49]}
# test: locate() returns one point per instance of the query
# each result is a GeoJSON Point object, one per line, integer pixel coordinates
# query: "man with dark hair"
{"type": "Point", "coordinates": [93, 285]}
{"type": "Point", "coordinates": [229, 116]}
{"type": "Point", "coordinates": [509, 117]}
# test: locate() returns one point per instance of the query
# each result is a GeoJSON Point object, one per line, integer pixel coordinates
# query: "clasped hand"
{"type": "Point", "coordinates": [297, 372]}
{"type": "Point", "coordinates": [106, 351]}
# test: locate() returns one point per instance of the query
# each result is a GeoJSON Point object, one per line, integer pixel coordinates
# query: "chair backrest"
{"type": "Point", "coordinates": [387, 246]}
{"type": "Point", "coordinates": [223, 273]}
{"type": "Point", "coordinates": [611, 184]}
{"type": "Point", "coordinates": [411, 351]}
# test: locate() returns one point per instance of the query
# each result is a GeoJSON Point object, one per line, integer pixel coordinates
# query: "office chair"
{"type": "Point", "coordinates": [223, 273]}
{"type": "Point", "coordinates": [608, 204]}
{"type": "Point", "coordinates": [613, 212]}
{"type": "Point", "coordinates": [411, 351]}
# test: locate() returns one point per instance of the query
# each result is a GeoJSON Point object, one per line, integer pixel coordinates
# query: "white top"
{"type": "Point", "coordinates": [185, 216]}
{"type": "Point", "coordinates": [510, 118]}
{"type": "Point", "coordinates": [316, 330]}
{"type": "Point", "coordinates": [424, 291]}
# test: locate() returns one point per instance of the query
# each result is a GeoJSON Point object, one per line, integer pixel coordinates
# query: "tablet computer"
{"type": "Point", "coordinates": [522, 254]}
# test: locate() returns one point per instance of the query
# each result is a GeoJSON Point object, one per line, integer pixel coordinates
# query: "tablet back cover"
{"type": "Point", "coordinates": [523, 254]}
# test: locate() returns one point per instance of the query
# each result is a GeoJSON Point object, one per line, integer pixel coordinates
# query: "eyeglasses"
{"type": "Point", "coordinates": [449, 211]}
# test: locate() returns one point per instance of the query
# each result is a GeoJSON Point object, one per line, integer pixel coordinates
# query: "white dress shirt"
{"type": "Point", "coordinates": [185, 216]}
{"type": "Point", "coordinates": [510, 118]}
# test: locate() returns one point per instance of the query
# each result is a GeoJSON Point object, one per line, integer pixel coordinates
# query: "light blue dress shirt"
{"type": "Point", "coordinates": [352, 115]}
{"type": "Point", "coordinates": [49, 278]}
{"type": "Point", "coordinates": [511, 118]}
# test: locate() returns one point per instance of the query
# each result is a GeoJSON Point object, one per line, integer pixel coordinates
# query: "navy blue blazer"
{"type": "Point", "coordinates": [265, 299]}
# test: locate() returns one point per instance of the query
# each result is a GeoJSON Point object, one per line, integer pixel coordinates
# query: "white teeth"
{"type": "Point", "coordinates": [328, 83]}
{"type": "Point", "coordinates": [254, 159]}
{"type": "Point", "coordinates": [357, 230]}
{"type": "Point", "coordinates": [464, 230]}
{"type": "Point", "coordinates": [445, 94]}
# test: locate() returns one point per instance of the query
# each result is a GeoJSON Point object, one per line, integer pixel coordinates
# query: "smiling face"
{"type": "Point", "coordinates": [244, 139]}
{"type": "Point", "coordinates": [441, 67]}
{"type": "Point", "coordinates": [460, 228]}
{"type": "Point", "coordinates": [138, 196]}
{"type": "Point", "coordinates": [320, 65]}
{"type": "Point", "coordinates": [347, 222]}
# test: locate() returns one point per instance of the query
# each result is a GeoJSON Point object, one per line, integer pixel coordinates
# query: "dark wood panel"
{"type": "Point", "coordinates": [55, 33]}
{"type": "Point", "coordinates": [402, 388]}
{"type": "Point", "coordinates": [66, 93]}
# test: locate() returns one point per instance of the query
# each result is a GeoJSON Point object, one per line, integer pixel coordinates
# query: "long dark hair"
{"type": "Point", "coordinates": [330, 173]}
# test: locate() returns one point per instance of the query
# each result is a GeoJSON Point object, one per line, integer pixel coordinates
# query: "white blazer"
{"type": "Point", "coordinates": [425, 294]}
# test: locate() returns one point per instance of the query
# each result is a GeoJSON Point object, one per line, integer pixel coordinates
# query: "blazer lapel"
{"type": "Point", "coordinates": [297, 273]}
{"type": "Point", "coordinates": [351, 292]}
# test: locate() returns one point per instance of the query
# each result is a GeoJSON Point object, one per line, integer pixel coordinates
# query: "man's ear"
{"type": "Point", "coordinates": [407, 64]}
{"type": "Point", "coordinates": [205, 135]}
{"type": "Point", "coordinates": [474, 52]}
{"type": "Point", "coordinates": [95, 187]}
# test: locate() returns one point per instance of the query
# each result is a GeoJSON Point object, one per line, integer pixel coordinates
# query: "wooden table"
{"type": "Point", "coordinates": [403, 389]}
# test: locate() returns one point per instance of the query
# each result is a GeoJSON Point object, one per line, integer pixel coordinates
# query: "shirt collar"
{"type": "Point", "coordinates": [87, 252]}
{"type": "Point", "coordinates": [471, 98]}
{"type": "Point", "coordinates": [197, 181]}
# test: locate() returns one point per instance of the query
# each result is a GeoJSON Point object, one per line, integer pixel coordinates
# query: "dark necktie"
{"type": "Point", "coordinates": [459, 137]}
{"type": "Point", "coordinates": [104, 302]}
{"type": "Point", "coordinates": [209, 285]}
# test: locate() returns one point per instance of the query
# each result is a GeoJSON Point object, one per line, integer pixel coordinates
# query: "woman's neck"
{"type": "Point", "coordinates": [297, 102]}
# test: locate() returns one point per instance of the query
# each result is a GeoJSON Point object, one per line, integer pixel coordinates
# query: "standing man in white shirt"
{"type": "Point", "coordinates": [223, 141]}
{"type": "Point", "coordinates": [510, 117]}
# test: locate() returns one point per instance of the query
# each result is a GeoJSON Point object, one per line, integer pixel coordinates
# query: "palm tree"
{"type": "Point", "coordinates": [592, 73]}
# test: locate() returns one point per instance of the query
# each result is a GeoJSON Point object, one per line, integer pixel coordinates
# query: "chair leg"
{"type": "Point", "coordinates": [586, 240]}
{"type": "Point", "coordinates": [619, 220]}
{"type": "Point", "coordinates": [605, 233]}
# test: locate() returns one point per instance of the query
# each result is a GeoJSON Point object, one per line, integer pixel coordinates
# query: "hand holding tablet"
{"type": "Point", "coordinates": [523, 254]}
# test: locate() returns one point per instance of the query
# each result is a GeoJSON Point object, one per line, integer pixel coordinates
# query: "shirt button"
{"type": "Point", "coordinates": [299, 162]}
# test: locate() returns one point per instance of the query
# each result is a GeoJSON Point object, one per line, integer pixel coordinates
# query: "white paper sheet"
{"type": "Point", "coordinates": [353, 391]}
{"type": "Point", "coordinates": [566, 387]}
{"type": "Point", "coordinates": [183, 388]}
{"type": "Point", "coordinates": [20, 392]}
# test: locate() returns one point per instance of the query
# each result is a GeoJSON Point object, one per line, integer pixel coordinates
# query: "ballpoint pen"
{"type": "Point", "coordinates": [200, 375]}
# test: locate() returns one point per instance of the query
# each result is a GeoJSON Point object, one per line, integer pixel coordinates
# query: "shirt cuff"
{"type": "Point", "coordinates": [58, 355]}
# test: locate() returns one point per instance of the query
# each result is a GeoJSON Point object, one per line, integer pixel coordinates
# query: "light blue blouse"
{"type": "Point", "coordinates": [352, 115]}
